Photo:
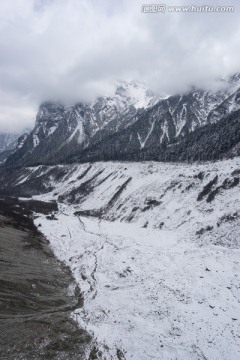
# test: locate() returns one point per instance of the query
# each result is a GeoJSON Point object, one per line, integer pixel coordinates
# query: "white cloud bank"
{"type": "Point", "coordinates": [72, 50]}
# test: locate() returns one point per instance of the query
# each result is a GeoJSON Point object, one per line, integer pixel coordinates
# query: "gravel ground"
{"type": "Point", "coordinates": [37, 294]}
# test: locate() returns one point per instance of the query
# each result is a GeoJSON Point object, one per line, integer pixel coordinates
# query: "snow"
{"type": "Point", "coordinates": [78, 130]}
{"type": "Point", "coordinates": [143, 142]}
{"type": "Point", "coordinates": [52, 129]}
{"type": "Point", "coordinates": [35, 140]}
{"type": "Point", "coordinates": [136, 94]}
{"type": "Point", "coordinates": [233, 104]}
{"type": "Point", "coordinates": [8, 141]}
{"type": "Point", "coordinates": [21, 143]}
{"type": "Point", "coordinates": [154, 292]}
{"type": "Point", "coordinates": [164, 131]}
{"type": "Point", "coordinates": [181, 120]}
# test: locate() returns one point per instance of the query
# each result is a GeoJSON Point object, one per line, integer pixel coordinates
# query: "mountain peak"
{"type": "Point", "coordinates": [136, 93]}
{"type": "Point", "coordinates": [126, 123]}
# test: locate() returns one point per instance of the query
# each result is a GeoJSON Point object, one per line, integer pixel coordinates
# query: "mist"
{"type": "Point", "coordinates": [73, 51]}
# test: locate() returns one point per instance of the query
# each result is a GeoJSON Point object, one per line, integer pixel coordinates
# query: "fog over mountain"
{"type": "Point", "coordinates": [119, 166]}
{"type": "Point", "coordinates": [73, 51]}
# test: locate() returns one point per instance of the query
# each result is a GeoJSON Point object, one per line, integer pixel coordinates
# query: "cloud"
{"type": "Point", "coordinates": [73, 50]}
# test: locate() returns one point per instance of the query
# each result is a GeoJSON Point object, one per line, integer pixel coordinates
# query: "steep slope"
{"type": "Point", "coordinates": [154, 248]}
{"type": "Point", "coordinates": [4, 155]}
{"type": "Point", "coordinates": [8, 141]}
{"type": "Point", "coordinates": [210, 142]}
{"type": "Point", "coordinates": [99, 189]}
{"type": "Point", "coordinates": [134, 121]}
{"type": "Point", "coordinates": [231, 104]}
{"type": "Point", "coordinates": [59, 131]}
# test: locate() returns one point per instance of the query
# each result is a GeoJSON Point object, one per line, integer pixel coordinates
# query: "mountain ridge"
{"type": "Point", "coordinates": [134, 120]}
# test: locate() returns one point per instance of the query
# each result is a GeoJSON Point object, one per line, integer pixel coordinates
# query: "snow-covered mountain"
{"type": "Point", "coordinates": [154, 248]}
{"type": "Point", "coordinates": [8, 141]}
{"type": "Point", "coordinates": [171, 129]}
{"type": "Point", "coordinates": [231, 104]}
{"type": "Point", "coordinates": [60, 131]}
{"type": "Point", "coordinates": [133, 123]}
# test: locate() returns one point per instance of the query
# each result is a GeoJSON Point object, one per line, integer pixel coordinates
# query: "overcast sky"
{"type": "Point", "coordinates": [73, 50]}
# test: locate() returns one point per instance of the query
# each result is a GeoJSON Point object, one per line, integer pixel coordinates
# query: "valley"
{"type": "Point", "coordinates": [155, 250]}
